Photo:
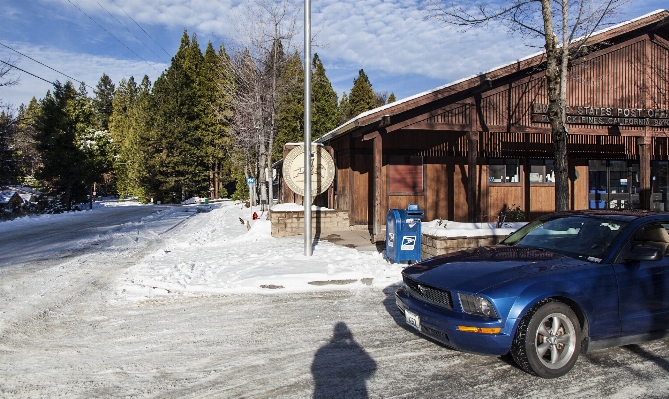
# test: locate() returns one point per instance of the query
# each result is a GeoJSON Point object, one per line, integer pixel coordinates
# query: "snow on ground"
{"type": "Point", "coordinates": [445, 228]}
{"type": "Point", "coordinates": [215, 252]}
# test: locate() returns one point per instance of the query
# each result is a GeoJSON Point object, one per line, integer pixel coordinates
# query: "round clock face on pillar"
{"type": "Point", "coordinates": [322, 170]}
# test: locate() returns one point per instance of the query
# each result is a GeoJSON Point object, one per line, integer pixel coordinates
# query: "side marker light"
{"type": "Point", "coordinates": [480, 330]}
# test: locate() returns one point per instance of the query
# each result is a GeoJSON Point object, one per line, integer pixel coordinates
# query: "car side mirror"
{"type": "Point", "coordinates": [643, 253]}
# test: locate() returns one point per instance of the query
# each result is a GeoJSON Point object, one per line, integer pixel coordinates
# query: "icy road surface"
{"type": "Point", "coordinates": [68, 329]}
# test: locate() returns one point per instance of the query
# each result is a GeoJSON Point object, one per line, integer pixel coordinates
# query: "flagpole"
{"type": "Point", "coordinates": [308, 251]}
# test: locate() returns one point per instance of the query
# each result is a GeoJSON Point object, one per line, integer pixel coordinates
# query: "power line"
{"type": "Point", "coordinates": [168, 54]}
{"type": "Point", "coordinates": [126, 28]}
{"type": "Point", "coordinates": [43, 64]}
{"type": "Point", "coordinates": [101, 27]}
{"type": "Point", "coordinates": [23, 70]}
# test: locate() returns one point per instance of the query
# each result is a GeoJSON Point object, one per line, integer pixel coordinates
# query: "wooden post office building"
{"type": "Point", "coordinates": [465, 150]}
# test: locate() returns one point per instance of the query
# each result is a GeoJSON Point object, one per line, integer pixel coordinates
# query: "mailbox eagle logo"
{"type": "Point", "coordinates": [408, 243]}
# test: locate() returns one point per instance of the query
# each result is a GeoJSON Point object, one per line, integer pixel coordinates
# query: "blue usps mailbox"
{"type": "Point", "coordinates": [403, 234]}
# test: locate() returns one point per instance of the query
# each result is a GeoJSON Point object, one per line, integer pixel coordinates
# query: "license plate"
{"type": "Point", "coordinates": [412, 319]}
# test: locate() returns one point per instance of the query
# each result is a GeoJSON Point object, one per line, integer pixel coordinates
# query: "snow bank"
{"type": "Point", "coordinates": [445, 228]}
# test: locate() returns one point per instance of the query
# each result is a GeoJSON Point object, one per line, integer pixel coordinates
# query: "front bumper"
{"type": "Point", "coordinates": [441, 324]}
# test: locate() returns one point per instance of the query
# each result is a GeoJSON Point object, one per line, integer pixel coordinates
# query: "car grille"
{"type": "Point", "coordinates": [429, 294]}
{"type": "Point", "coordinates": [435, 332]}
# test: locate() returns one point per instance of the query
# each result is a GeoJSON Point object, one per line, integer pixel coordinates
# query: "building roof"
{"type": "Point", "coordinates": [6, 196]}
{"type": "Point", "coordinates": [402, 105]}
{"type": "Point", "coordinates": [24, 190]}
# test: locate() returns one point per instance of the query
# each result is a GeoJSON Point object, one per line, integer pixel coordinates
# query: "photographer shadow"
{"type": "Point", "coordinates": [341, 367]}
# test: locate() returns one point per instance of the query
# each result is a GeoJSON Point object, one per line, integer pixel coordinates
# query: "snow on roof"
{"type": "Point", "coordinates": [24, 190]}
{"type": "Point", "coordinates": [334, 132]}
{"type": "Point", "coordinates": [6, 196]}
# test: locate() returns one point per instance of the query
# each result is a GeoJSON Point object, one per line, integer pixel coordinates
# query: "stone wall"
{"type": "Point", "coordinates": [433, 245]}
{"type": "Point", "coordinates": [291, 223]}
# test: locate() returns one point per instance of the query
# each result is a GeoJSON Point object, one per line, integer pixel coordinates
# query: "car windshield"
{"type": "Point", "coordinates": [585, 237]}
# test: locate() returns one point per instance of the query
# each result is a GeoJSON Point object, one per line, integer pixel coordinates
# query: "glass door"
{"type": "Point", "coordinates": [613, 184]}
{"type": "Point", "coordinates": [660, 185]}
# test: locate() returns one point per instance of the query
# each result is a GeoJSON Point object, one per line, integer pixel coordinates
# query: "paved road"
{"type": "Point", "coordinates": [67, 331]}
{"type": "Point", "coordinates": [55, 236]}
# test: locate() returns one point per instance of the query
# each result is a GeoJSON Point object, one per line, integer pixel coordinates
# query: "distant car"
{"type": "Point", "coordinates": [565, 283]}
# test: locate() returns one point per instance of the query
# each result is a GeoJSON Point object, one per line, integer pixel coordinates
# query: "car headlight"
{"type": "Point", "coordinates": [477, 305]}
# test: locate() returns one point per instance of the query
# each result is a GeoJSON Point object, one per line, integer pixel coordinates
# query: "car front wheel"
{"type": "Point", "coordinates": [547, 340]}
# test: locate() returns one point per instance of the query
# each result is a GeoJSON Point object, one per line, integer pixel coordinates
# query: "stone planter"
{"type": "Point", "coordinates": [434, 245]}
{"type": "Point", "coordinates": [291, 223]}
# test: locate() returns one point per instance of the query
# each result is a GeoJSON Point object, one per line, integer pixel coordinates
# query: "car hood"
{"type": "Point", "coordinates": [476, 269]}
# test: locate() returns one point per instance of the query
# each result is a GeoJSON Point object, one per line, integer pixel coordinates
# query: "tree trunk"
{"type": "Point", "coordinates": [68, 198]}
{"type": "Point", "coordinates": [211, 181]}
{"type": "Point", "coordinates": [217, 179]}
{"type": "Point", "coordinates": [555, 71]}
{"type": "Point", "coordinates": [270, 195]}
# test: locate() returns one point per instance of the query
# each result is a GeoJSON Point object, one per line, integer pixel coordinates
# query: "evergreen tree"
{"type": "Point", "coordinates": [103, 102]}
{"type": "Point", "coordinates": [290, 114]}
{"type": "Point", "coordinates": [216, 83]}
{"type": "Point", "coordinates": [345, 113]}
{"type": "Point", "coordinates": [391, 98]}
{"type": "Point", "coordinates": [178, 170]}
{"type": "Point", "coordinates": [25, 151]}
{"type": "Point", "coordinates": [63, 162]}
{"type": "Point", "coordinates": [120, 125]}
{"type": "Point", "coordinates": [8, 166]}
{"type": "Point", "coordinates": [325, 113]}
{"type": "Point", "coordinates": [141, 148]}
{"type": "Point", "coordinates": [361, 98]}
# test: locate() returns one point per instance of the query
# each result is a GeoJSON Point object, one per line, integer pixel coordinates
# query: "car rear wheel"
{"type": "Point", "coordinates": [547, 340]}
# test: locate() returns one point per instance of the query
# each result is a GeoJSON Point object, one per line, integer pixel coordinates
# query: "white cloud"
{"type": "Point", "coordinates": [390, 39]}
{"type": "Point", "coordinates": [86, 68]}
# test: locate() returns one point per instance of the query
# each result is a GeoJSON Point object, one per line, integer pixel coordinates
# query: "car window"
{"type": "Point", "coordinates": [651, 235]}
{"type": "Point", "coordinates": [577, 236]}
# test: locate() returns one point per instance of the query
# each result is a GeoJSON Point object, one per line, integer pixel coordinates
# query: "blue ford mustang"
{"type": "Point", "coordinates": [564, 284]}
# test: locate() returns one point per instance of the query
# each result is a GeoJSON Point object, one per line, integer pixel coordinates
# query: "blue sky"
{"type": "Point", "coordinates": [400, 50]}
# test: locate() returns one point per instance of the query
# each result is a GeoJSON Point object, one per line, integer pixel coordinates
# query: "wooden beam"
{"type": "Point", "coordinates": [438, 127]}
{"type": "Point", "coordinates": [422, 117]}
{"type": "Point", "coordinates": [601, 131]}
{"type": "Point", "coordinates": [472, 161]}
{"type": "Point", "coordinates": [377, 233]}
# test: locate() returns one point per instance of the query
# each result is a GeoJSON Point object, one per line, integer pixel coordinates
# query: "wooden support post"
{"type": "Point", "coordinates": [645, 146]}
{"type": "Point", "coordinates": [331, 189]}
{"type": "Point", "coordinates": [378, 220]}
{"type": "Point", "coordinates": [472, 161]}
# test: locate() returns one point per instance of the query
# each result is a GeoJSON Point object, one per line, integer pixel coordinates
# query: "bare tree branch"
{"type": "Point", "coordinates": [6, 68]}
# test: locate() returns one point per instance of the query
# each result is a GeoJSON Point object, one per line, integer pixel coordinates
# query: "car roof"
{"type": "Point", "coordinates": [627, 215]}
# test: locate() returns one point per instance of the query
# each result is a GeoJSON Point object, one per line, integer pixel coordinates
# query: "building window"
{"type": "Point", "coordinates": [503, 171]}
{"type": "Point", "coordinates": [542, 171]}
{"type": "Point", "coordinates": [660, 176]}
{"type": "Point", "coordinates": [614, 184]}
{"type": "Point", "coordinates": [405, 175]}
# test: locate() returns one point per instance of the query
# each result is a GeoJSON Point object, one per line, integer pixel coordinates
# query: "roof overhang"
{"type": "Point", "coordinates": [375, 116]}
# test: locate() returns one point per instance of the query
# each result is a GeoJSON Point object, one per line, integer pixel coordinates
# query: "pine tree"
{"type": "Point", "coordinates": [63, 162]}
{"type": "Point", "coordinates": [362, 96]}
{"type": "Point", "coordinates": [179, 167]}
{"type": "Point", "coordinates": [103, 101]}
{"type": "Point", "coordinates": [392, 98]}
{"type": "Point", "coordinates": [26, 155]}
{"type": "Point", "coordinates": [120, 125]}
{"type": "Point", "coordinates": [8, 166]}
{"type": "Point", "coordinates": [141, 147]}
{"type": "Point", "coordinates": [324, 104]}
{"type": "Point", "coordinates": [290, 114]}
{"type": "Point", "coordinates": [345, 113]}
{"type": "Point", "coordinates": [215, 87]}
